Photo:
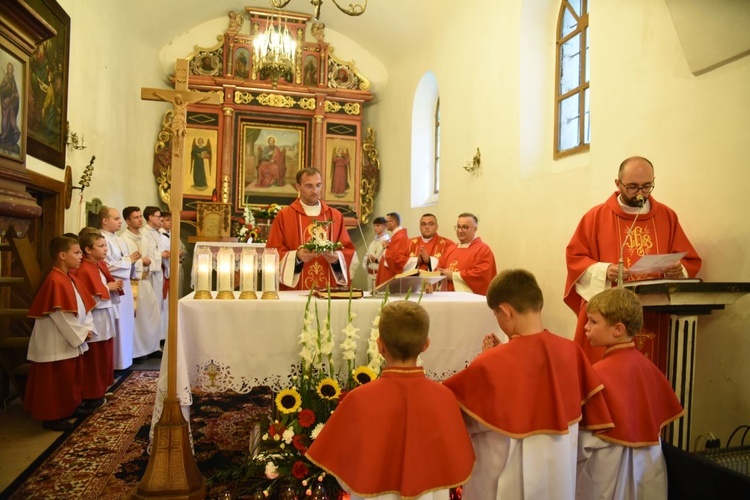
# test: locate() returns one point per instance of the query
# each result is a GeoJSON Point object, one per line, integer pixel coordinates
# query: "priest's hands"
{"type": "Point", "coordinates": [305, 255]}
{"type": "Point", "coordinates": [331, 256]}
{"type": "Point", "coordinates": [674, 271]}
{"type": "Point", "coordinates": [135, 256]}
{"type": "Point", "coordinates": [612, 273]}
{"type": "Point", "coordinates": [446, 272]}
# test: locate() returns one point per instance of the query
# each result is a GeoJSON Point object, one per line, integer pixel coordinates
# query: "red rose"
{"type": "Point", "coordinates": [306, 418]}
{"type": "Point", "coordinates": [300, 470]}
{"type": "Point", "coordinates": [273, 430]}
{"type": "Point", "coordinates": [299, 442]}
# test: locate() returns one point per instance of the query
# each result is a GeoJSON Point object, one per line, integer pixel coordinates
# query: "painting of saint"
{"type": "Point", "coordinates": [199, 164]}
{"type": "Point", "coordinates": [200, 158]}
{"type": "Point", "coordinates": [241, 63]}
{"type": "Point", "coordinates": [46, 93]}
{"type": "Point", "coordinates": [10, 104]}
{"type": "Point", "coordinates": [310, 70]}
{"type": "Point", "coordinates": [340, 172]}
{"type": "Point", "coordinates": [272, 155]}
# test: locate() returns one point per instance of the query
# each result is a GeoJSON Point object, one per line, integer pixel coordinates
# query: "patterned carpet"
{"type": "Point", "coordinates": [105, 456]}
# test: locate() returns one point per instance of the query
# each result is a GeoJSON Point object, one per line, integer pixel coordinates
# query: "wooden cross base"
{"type": "Point", "coordinates": [171, 470]}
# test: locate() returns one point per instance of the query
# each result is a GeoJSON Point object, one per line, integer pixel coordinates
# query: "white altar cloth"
{"type": "Point", "coordinates": [235, 345]}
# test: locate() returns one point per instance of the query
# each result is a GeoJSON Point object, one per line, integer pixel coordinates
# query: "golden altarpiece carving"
{"type": "Point", "coordinates": [248, 150]}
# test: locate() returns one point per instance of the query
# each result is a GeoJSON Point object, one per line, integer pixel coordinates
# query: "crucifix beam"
{"type": "Point", "coordinates": [172, 471]}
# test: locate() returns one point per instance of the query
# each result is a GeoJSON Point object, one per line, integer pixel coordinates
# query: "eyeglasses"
{"type": "Point", "coordinates": [634, 188]}
{"type": "Point", "coordinates": [462, 228]}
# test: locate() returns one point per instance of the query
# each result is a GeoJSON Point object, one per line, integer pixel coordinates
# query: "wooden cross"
{"type": "Point", "coordinates": [171, 467]}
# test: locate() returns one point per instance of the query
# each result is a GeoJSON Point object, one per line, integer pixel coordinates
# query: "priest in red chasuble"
{"type": "Point", "coordinates": [396, 251]}
{"type": "Point", "coordinates": [594, 250]}
{"type": "Point", "coordinates": [470, 265]}
{"type": "Point", "coordinates": [299, 268]}
{"type": "Point", "coordinates": [425, 250]}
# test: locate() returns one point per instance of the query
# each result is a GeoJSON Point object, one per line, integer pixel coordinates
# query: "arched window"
{"type": "Point", "coordinates": [425, 142]}
{"type": "Point", "coordinates": [572, 83]}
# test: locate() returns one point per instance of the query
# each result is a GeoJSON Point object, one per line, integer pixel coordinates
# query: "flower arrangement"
{"type": "Point", "coordinates": [276, 466]}
{"type": "Point", "coordinates": [247, 232]}
{"type": "Point", "coordinates": [268, 212]}
{"type": "Point", "coordinates": [319, 242]}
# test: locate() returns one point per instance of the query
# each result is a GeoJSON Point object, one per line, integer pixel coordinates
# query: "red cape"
{"type": "Point", "coordinates": [598, 238]}
{"type": "Point", "coordinates": [292, 228]}
{"type": "Point", "coordinates": [88, 274]}
{"type": "Point", "coordinates": [638, 396]}
{"type": "Point", "coordinates": [476, 264]}
{"type": "Point", "coordinates": [534, 384]}
{"type": "Point", "coordinates": [436, 247]}
{"type": "Point", "coordinates": [396, 255]}
{"type": "Point", "coordinates": [57, 292]}
{"type": "Point", "coordinates": [401, 434]}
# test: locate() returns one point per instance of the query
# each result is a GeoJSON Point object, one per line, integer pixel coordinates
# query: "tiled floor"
{"type": "Point", "coordinates": [22, 439]}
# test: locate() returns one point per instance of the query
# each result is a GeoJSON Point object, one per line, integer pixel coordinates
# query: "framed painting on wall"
{"type": "Point", "coordinates": [341, 159]}
{"type": "Point", "coordinates": [199, 168]}
{"type": "Point", "coordinates": [270, 154]}
{"type": "Point", "coordinates": [13, 106]}
{"type": "Point", "coordinates": [48, 87]}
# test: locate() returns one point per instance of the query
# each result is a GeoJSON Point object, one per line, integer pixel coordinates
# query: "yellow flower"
{"type": "Point", "coordinates": [288, 401]}
{"type": "Point", "coordinates": [328, 388]}
{"type": "Point", "coordinates": [364, 374]}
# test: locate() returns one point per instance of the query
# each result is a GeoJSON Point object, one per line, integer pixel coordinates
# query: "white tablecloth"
{"type": "Point", "coordinates": [240, 344]}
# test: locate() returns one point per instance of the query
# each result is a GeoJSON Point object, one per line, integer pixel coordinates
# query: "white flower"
{"type": "Point", "coordinates": [272, 472]}
{"type": "Point", "coordinates": [316, 430]}
{"type": "Point", "coordinates": [282, 446]}
{"type": "Point", "coordinates": [265, 437]}
{"type": "Point", "coordinates": [276, 437]}
{"type": "Point", "coordinates": [288, 435]}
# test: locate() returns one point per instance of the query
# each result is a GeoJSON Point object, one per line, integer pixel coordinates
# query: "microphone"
{"type": "Point", "coordinates": [620, 265]}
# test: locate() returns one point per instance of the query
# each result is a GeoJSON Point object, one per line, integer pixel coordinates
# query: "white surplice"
{"type": "Point", "coordinates": [147, 314]}
{"type": "Point", "coordinates": [154, 239]}
{"type": "Point", "coordinates": [120, 266]}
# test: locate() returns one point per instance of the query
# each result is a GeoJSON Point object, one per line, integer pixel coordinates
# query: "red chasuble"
{"type": "Point", "coordinates": [401, 434]}
{"type": "Point", "coordinates": [436, 247]}
{"type": "Point", "coordinates": [395, 255]}
{"type": "Point", "coordinates": [88, 274]}
{"type": "Point", "coordinates": [534, 384]}
{"type": "Point", "coordinates": [639, 397]}
{"type": "Point", "coordinates": [598, 238]}
{"type": "Point", "coordinates": [476, 263]}
{"type": "Point", "coordinates": [57, 292]}
{"type": "Point", "coordinates": [292, 228]}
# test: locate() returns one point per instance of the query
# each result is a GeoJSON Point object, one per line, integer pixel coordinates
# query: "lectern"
{"type": "Point", "coordinates": [679, 303]}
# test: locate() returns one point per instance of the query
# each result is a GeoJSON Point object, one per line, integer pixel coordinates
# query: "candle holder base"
{"type": "Point", "coordinates": [202, 295]}
{"type": "Point", "coordinates": [248, 295]}
{"type": "Point", "coordinates": [269, 296]}
{"type": "Point", "coordinates": [225, 295]}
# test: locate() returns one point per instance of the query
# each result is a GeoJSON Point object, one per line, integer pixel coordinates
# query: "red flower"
{"type": "Point", "coordinates": [300, 470]}
{"type": "Point", "coordinates": [273, 429]}
{"type": "Point", "coordinates": [299, 442]}
{"type": "Point", "coordinates": [306, 418]}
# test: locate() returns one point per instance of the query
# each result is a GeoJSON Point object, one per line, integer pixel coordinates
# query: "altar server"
{"type": "Point", "coordinates": [402, 435]}
{"type": "Point", "coordinates": [524, 400]}
{"type": "Point", "coordinates": [62, 324]}
{"type": "Point", "coordinates": [627, 461]}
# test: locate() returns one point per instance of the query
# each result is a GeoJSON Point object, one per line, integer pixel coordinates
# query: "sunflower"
{"type": "Point", "coordinates": [328, 388]}
{"type": "Point", "coordinates": [288, 401]}
{"type": "Point", "coordinates": [364, 374]}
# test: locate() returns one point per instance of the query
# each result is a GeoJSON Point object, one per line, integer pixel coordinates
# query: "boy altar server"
{"type": "Point", "coordinates": [93, 273]}
{"type": "Point", "coordinates": [402, 435]}
{"type": "Point", "coordinates": [62, 324]}
{"type": "Point", "coordinates": [627, 461]}
{"type": "Point", "coordinates": [524, 400]}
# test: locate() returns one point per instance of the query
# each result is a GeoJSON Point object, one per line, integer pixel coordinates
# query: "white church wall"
{"type": "Point", "coordinates": [645, 101]}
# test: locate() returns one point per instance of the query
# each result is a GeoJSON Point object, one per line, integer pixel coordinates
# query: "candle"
{"type": "Point", "coordinates": [248, 263]}
{"type": "Point", "coordinates": [270, 270]}
{"type": "Point", "coordinates": [204, 259]}
{"type": "Point", "coordinates": [225, 269]}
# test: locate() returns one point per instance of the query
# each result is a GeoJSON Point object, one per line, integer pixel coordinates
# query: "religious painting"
{"type": "Point", "coordinates": [199, 169]}
{"type": "Point", "coordinates": [48, 87]}
{"type": "Point", "coordinates": [310, 70]}
{"type": "Point", "coordinates": [341, 155]}
{"type": "Point", "coordinates": [12, 106]}
{"type": "Point", "coordinates": [242, 63]}
{"type": "Point", "coordinates": [213, 220]}
{"type": "Point", "coordinates": [270, 156]}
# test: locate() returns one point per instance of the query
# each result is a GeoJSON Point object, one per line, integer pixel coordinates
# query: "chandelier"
{"type": "Point", "coordinates": [353, 10]}
{"type": "Point", "coordinates": [274, 51]}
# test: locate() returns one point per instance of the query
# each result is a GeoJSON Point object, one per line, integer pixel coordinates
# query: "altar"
{"type": "Point", "coordinates": [236, 345]}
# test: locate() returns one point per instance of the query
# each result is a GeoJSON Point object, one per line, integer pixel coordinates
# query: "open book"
{"type": "Point", "coordinates": [413, 279]}
{"type": "Point", "coordinates": [338, 293]}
